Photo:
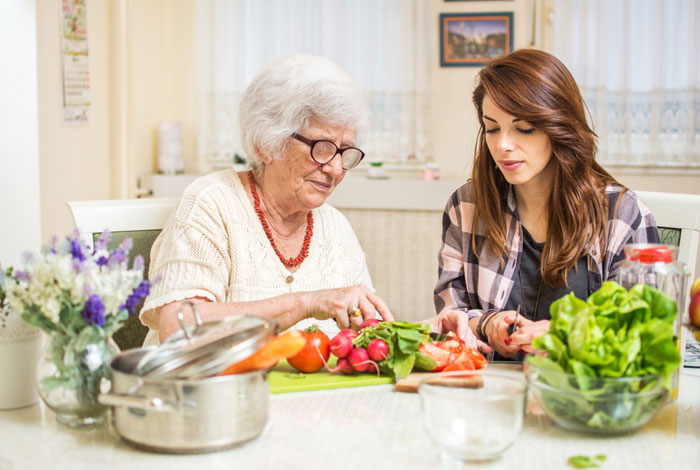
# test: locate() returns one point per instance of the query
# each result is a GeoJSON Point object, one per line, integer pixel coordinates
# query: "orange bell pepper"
{"type": "Point", "coordinates": [280, 347]}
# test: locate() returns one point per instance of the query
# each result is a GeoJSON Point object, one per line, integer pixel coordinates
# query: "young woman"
{"type": "Point", "coordinates": [539, 217]}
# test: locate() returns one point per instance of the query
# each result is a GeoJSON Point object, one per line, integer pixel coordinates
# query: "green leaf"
{"type": "Point", "coordinates": [583, 461]}
{"type": "Point", "coordinates": [403, 364]}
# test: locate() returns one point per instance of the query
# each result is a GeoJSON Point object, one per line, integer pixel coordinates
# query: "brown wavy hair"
{"type": "Point", "coordinates": [536, 87]}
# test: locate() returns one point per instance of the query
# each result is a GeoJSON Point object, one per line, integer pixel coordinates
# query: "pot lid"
{"type": "Point", "coordinates": [205, 348]}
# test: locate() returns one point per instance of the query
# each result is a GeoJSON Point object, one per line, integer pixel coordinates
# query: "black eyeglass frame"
{"type": "Point", "coordinates": [312, 144]}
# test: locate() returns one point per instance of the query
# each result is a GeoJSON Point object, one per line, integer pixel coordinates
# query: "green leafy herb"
{"type": "Point", "coordinates": [615, 333]}
{"type": "Point", "coordinates": [403, 339]}
{"type": "Point", "coordinates": [583, 461]}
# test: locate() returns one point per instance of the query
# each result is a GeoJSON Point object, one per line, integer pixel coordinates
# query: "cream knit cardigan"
{"type": "Point", "coordinates": [214, 246]}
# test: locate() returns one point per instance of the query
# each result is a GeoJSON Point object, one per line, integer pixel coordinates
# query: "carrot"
{"type": "Point", "coordinates": [282, 346]}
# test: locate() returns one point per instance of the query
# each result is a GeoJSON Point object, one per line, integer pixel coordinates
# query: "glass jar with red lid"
{"type": "Point", "coordinates": [655, 264]}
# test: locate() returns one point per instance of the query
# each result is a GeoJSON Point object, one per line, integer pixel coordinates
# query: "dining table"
{"type": "Point", "coordinates": [364, 427]}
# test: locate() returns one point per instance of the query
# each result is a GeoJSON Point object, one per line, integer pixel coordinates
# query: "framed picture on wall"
{"type": "Point", "coordinates": [472, 39]}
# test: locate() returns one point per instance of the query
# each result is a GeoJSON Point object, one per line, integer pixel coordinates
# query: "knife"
{"type": "Point", "coordinates": [512, 328]}
{"type": "Point", "coordinates": [438, 336]}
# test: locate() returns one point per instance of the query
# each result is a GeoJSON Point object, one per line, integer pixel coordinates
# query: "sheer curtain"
{"type": "Point", "coordinates": [636, 62]}
{"type": "Point", "coordinates": [386, 45]}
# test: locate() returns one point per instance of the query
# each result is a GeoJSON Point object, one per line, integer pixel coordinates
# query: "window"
{"type": "Point", "coordinates": [636, 62]}
{"type": "Point", "coordinates": [385, 45]}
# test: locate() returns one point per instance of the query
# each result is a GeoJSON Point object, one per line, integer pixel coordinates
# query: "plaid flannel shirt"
{"type": "Point", "coordinates": [479, 286]}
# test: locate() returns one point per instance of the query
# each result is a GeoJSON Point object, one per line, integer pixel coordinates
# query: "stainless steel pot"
{"type": "Point", "coordinates": [193, 415]}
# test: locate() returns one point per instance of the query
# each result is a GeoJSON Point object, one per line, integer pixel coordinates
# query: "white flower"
{"type": "Point", "coordinates": [51, 308]}
{"type": "Point", "coordinates": [93, 357]}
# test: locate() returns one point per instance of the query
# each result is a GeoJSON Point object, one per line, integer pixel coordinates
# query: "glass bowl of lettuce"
{"type": "Point", "coordinates": [605, 365]}
{"type": "Point", "coordinates": [605, 405]}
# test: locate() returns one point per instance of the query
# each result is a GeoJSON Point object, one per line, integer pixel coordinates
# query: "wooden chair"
{"type": "Point", "coordinates": [139, 219]}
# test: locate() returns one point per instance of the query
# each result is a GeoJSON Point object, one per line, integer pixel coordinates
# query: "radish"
{"type": "Point", "coordinates": [341, 345]}
{"type": "Point", "coordinates": [344, 367]}
{"type": "Point", "coordinates": [359, 359]}
{"type": "Point", "coordinates": [377, 349]}
{"type": "Point", "coordinates": [372, 368]}
{"type": "Point", "coordinates": [369, 323]}
{"type": "Point", "coordinates": [352, 334]}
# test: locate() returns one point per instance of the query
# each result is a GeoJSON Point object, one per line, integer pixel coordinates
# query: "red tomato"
{"type": "Point", "coordinates": [437, 354]}
{"type": "Point", "coordinates": [316, 351]}
{"type": "Point", "coordinates": [477, 358]}
{"type": "Point", "coordinates": [453, 346]}
{"type": "Point", "coordinates": [462, 362]}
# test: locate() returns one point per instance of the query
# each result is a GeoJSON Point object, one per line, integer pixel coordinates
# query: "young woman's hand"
{"type": "Point", "coordinates": [524, 335]}
{"type": "Point", "coordinates": [457, 322]}
{"type": "Point", "coordinates": [497, 331]}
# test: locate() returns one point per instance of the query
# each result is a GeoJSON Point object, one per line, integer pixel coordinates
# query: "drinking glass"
{"type": "Point", "coordinates": [473, 415]}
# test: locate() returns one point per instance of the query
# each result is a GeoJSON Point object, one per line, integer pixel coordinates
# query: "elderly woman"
{"type": "Point", "coordinates": [263, 242]}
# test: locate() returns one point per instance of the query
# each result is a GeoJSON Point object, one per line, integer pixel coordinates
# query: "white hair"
{"type": "Point", "coordinates": [290, 92]}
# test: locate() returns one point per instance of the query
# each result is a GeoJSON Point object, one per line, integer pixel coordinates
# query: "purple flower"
{"type": "Point", "coordinates": [116, 258]}
{"type": "Point", "coordinates": [21, 275]}
{"type": "Point", "coordinates": [102, 261]}
{"type": "Point", "coordinates": [138, 263]}
{"type": "Point", "coordinates": [76, 250]}
{"type": "Point", "coordinates": [133, 301]}
{"type": "Point", "coordinates": [94, 310]}
{"type": "Point", "coordinates": [102, 242]}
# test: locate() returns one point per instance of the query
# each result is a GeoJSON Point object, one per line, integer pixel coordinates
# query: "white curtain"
{"type": "Point", "coordinates": [385, 45]}
{"type": "Point", "coordinates": [636, 62]}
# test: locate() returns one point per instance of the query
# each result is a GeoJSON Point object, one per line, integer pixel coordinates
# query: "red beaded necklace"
{"type": "Point", "coordinates": [288, 262]}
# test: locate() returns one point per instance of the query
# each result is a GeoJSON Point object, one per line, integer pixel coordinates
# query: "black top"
{"type": "Point", "coordinates": [528, 284]}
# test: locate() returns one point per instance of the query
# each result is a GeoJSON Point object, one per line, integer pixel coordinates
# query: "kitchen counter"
{"type": "Point", "coordinates": [365, 427]}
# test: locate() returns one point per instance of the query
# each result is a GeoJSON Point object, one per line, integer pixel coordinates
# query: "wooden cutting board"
{"type": "Point", "coordinates": [284, 378]}
{"type": "Point", "coordinates": [413, 380]}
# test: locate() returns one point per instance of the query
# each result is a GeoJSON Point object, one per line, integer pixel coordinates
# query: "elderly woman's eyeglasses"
{"type": "Point", "coordinates": [323, 151]}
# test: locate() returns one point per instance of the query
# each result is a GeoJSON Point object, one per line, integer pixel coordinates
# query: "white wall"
{"type": "Point", "coordinates": [74, 161]}
{"type": "Point", "coordinates": [161, 80]}
{"type": "Point", "coordinates": [19, 153]}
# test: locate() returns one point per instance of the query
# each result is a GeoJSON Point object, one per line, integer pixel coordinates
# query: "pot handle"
{"type": "Point", "coordinates": [147, 404]}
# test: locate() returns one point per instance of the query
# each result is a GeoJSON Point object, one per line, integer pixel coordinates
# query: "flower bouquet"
{"type": "Point", "coordinates": [80, 297]}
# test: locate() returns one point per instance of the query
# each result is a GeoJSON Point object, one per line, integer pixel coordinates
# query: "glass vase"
{"type": "Point", "coordinates": [73, 372]}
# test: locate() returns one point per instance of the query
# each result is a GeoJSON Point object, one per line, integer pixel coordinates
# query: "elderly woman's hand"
{"type": "Point", "coordinates": [457, 322]}
{"type": "Point", "coordinates": [349, 306]}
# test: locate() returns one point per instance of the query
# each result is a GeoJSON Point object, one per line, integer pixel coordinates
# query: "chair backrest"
{"type": "Point", "coordinates": [138, 219]}
{"type": "Point", "coordinates": [678, 219]}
